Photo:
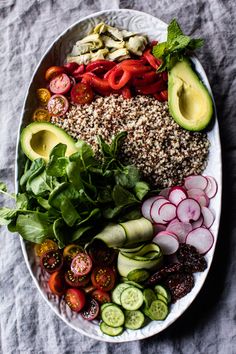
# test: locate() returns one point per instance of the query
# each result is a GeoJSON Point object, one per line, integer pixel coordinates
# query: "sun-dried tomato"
{"type": "Point", "coordinates": [192, 260]}
{"type": "Point", "coordinates": [163, 272]}
{"type": "Point", "coordinates": [179, 285]}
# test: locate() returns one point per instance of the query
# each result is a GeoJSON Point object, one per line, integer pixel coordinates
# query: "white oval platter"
{"type": "Point", "coordinates": [155, 29]}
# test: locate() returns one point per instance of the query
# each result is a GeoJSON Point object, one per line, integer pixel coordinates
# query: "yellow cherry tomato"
{"type": "Point", "coordinates": [71, 251]}
{"type": "Point", "coordinates": [43, 95]}
{"type": "Point", "coordinates": [47, 245]}
{"type": "Point", "coordinates": [41, 115]}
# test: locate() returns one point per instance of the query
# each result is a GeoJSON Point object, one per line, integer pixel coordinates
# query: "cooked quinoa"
{"type": "Point", "coordinates": [162, 150]}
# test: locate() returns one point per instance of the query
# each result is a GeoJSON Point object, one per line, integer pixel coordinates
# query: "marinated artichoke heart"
{"type": "Point", "coordinates": [107, 42]}
{"type": "Point", "coordinates": [136, 44]}
{"type": "Point", "coordinates": [118, 54]}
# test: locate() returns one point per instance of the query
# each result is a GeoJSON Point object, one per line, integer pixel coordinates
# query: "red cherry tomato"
{"type": "Point", "coordinates": [91, 310]}
{"type": "Point", "coordinates": [75, 299]}
{"type": "Point", "coordinates": [101, 296]}
{"type": "Point", "coordinates": [70, 252]}
{"type": "Point", "coordinates": [51, 261]}
{"type": "Point", "coordinates": [60, 84]}
{"type": "Point", "coordinates": [103, 278]}
{"type": "Point", "coordinates": [53, 71]}
{"type": "Point", "coordinates": [81, 94]}
{"type": "Point", "coordinates": [75, 281]}
{"type": "Point", "coordinates": [58, 105]}
{"type": "Point", "coordinates": [56, 283]}
{"type": "Point", "coordinates": [81, 264]}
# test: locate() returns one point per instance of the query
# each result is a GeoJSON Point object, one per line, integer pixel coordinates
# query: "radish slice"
{"type": "Point", "coordinates": [212, 187]}
{"type": "Point", "coordinates": [167, 212]}
{"type": "Point", "coordinates": [198, 223]}
{"type": "Point", "coordinates": [146, 207]}
{"type": "Point", "coordinates": [201, 238]}
{"type": "Point", "coordinates": [176, 220]}
{"type": "Point", "coordinates": [158, 228]}
{"type": "Point", "coordinates": [208, 217]}
{"type": "Point", "coordinates": [195, 182]}
{"type": "Point", "coordinates": [164, 192]}
{"type": "Point", "coordinates": [155, 217]}
{"type": "Point", "coordinates": [176, 195]}
{"type": "Point", "coordinates": [188, 210]}
{"type": "Point", "coordinates": [167, 241]}
{"type": "Point", "coordinates": [195, 192]}
{"type": "Point", "coordinates": [180, 229]}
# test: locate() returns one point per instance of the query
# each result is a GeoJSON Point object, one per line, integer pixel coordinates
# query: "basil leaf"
{"type": "Point", "coordinates": [58, 151]}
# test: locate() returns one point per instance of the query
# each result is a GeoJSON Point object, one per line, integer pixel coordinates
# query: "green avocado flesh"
{"type": "Point", "coordinates": [39, 138]}
{"type": "Point", "coordinates": [190, 103]}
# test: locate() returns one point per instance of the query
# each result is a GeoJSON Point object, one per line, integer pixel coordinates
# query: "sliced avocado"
{"type": "Point", "coordinates": [190, 103]}
{"type": "Point", "coordinates": [39, 138]}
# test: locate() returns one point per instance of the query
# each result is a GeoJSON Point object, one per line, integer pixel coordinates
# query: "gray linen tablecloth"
{"type": "Point", "coordinates": [27, 324]}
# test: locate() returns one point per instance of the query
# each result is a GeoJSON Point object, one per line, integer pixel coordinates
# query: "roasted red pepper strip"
{"type": "Point", "coordinates": [146, 78]}
{"type": "Point", "coordinates": [152, 88]}
{"type": "Point", "coordinates": [118, 78]}
{"type": "Point", "coordinates": [100, 66]}
{"type": "Point", "coordinates": [161, 96]}
{"type": "Point", "coordinates": [136, 69]}
{"type": "Point", "coordinates": [132, 62]}
{"type": "Point", "coordinates": [100, 85]}
{"type": "Point", "coordinates": [154, 62]}
{"type": "Point", "coordinates": [126, 92]}
{"type": "Point", "coordinates": [78, 72]}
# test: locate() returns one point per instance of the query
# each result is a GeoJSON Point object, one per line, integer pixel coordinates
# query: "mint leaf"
{"type": "Point", "coordinates": [173, 30]}
{"type": "Point", "coordinates": [159, 49]}
{"type": "Point", "coordinates": [195, 43]}
{"type": "Point", "coordinates": [179, 42]}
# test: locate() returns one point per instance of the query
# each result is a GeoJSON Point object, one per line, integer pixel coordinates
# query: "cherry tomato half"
{"type": "Point", "coordinates": [41, 115]}
{"type": "Point", "coordinates": [43, 95]}
{"type": "Point", "coordinates": [51, 261]}
{"type": "Point", "coordinates": [57, 283]}
{"type": "Point", "coordinates": [103, 278]}
{"type": "Point", "coordinates": [81, 264]}
{"type": "Point", "coordinates": [81, 93]}
{"type": "Point", "coordinates": [70, 67]}
{"type": "Point", "coordinates": [58, 105]}
{"type": "Point", "coordinates": [75, 281]}
{"type": "Point", "coordinates": [53, 71]}
{"type": "Point", "coordinates": [101, 254]}
{"type": "Point", "coordinates": [75, 299]}
{"type": "Point", "coordinates": [101, 296]}
{"type": "Point", "coordinates": [47, 245]}
{"type": "Point", "coordinates": [91, 310]}
{"type": "Point", "coordinates": [60, 84]}
{"type": "Point", "coordinates": [70, 252]}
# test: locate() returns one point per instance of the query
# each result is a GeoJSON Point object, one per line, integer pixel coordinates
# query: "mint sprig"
{"type": "Point", "coordinates": [176, 46]}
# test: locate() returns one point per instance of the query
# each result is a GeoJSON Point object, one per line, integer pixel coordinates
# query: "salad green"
{"type": "Point", "coordinates": [71, 198]}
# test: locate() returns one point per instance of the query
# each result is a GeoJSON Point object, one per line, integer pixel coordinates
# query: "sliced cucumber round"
{"type": "Point", "coordinates": [159, 289]}
{"type": "Point", "coordinates": [111, 331]}
{"type": "Point", "coordinates": [133, 283]}
{"type": "Point", "coordinates": [115, 296]}
{"type": "Point", "coordinates": [162, 298]}
{"type": "Point", "coordinates": [105, 305]}
{"type": "Point", "coordinates": [134, 319]}
{"type": "Point", "coordinates": [131, 298]}
{"type": "Point", "coordinates": [149, 296]}
{"type": "Point", "coordinates": [113, 316]}
{"type": "Point", "coordinates": [138, 275]}
{"type": "Point", "coordinates": [157, 311]}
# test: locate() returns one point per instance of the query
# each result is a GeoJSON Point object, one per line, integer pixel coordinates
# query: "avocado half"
{"type": "Point", "coordinates": [190, 103]}
{"type": "Point", "coordinates": [39, 138]}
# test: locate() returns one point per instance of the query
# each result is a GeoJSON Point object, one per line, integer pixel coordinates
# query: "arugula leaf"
{"type": "Point", "coordinates": [36, 167]}
{"type": "Point", "coordinates": [39, 184]}
{"type": "Point", "coordinates": [175, 48]}
{"type": "Point", "coordinates": [7, 215]}
{"type": "Point", "coordinates": [86, 153]}
{"type": "Point", "coordinates": [93, 216]}
{"type": "Point", "coordinates": [22, 201]}
{"type": "Point", "coordinates": [74, 174]}
{"type": "Point", "coordinates": [34, 227]}
{"type": "Point", "coordinates": [3, 187]}
{"type": "Point", "coordinates": [63, 191]}
{"type": "Point", "coordinates": [60, 231]}
{"type": "Point", "coordinates": [81, 232]}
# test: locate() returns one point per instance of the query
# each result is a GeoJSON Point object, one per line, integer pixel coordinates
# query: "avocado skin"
{"type": "Point", "coordinates": [181, 73]}
{"type": "Point", "coordinates": [58, 135]}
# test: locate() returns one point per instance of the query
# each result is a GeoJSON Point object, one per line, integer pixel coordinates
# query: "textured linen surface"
{"type": "Point", "coordinates": [27, 324]}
